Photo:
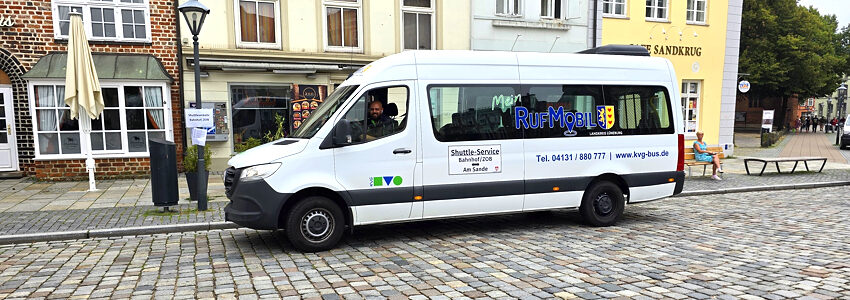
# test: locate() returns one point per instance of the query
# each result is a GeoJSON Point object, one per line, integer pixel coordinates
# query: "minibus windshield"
{"type": "Point", "coordinates": [324, 112]}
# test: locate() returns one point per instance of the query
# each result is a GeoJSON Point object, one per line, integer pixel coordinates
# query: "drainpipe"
{"type": "Point", "coordinates": [179, 46]}
{"type": "Point", "coordinates": [595, 21]}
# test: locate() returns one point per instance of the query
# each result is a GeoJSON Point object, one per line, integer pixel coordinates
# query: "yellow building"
{"type": "Point", "coordinates": [258, 56]}
{"type": "Point", "coordinates": [701, 39]}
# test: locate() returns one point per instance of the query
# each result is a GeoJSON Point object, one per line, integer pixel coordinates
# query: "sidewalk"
{"type": "Point", "coordinates": [28, 207]}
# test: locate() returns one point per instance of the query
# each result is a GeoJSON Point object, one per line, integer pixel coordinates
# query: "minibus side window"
{"type": "Point", "coordinates": [561, 110]}
{"type": "Point", "coordinates": [378, 113]}
{"type": "Point", "coordinates": [640, 109]}
{"type": "Point", "coordinates": [473, 112]}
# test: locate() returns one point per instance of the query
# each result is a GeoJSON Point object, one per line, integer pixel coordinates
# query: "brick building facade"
{"type": "Point", "coordinates": [126, 35]}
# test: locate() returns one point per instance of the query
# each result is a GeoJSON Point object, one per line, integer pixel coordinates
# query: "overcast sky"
{"type": "Point", "coordinates": [839, 8]}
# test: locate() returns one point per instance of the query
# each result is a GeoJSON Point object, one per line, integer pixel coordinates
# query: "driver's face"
{"type": "Point", "coordinates": [375, 110]}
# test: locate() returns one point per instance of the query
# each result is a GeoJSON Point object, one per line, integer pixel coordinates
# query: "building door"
{"type": "Point", "coordinates": [8, 151]}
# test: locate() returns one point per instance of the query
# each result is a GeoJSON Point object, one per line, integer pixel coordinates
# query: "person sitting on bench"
{"type": "Point", "coordinates": [701, 154]}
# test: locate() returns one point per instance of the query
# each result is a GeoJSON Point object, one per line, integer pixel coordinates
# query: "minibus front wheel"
{"type": "Point", "coordinates": [315, 224]}
{"type": "Point", "coordinates": [602, 204]}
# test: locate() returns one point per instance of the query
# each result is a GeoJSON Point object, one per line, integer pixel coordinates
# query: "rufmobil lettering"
{"type": "Point", "coordinates": [569, 120]}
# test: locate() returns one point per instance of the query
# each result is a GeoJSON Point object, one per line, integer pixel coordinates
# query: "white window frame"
{"type": "Point", "coordinates": [419, 11]}
{"type": "Point", "coordinates": [654, 10]}
{"type": "Point", "coordinates": [685, 95]}
{"type": "Point", "coordinates": [694, 12]}
{"type": "Point", "coordinates": [510, 8]}
{"type": "Point", "coordinates": [548, 12]}
{"type": "Point", "coordinates": [115, 5]}
{"type": "Point", "coordinates": [613, 5]}
{"type": "Point", "coordinates": [125, 149]}
{"type": "Point", "coordinates": [261, 45]}
{"type": "Point", "coordinates": [354, 4]}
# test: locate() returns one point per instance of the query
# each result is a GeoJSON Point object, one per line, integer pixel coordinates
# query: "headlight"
{"type": "Point", "coordinates": [259, 171]}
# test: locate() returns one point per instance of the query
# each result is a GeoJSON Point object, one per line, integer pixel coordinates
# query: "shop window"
{"type": "Point", "coordinates": [132, 114]}
{"type": "Point", "coordinates": [656, 10]}
{"type": "Point", "coordinates": [418, 24]}
{"type": "Point", "coordinates": [342, 24]}
{"type": "Point", "coordinates": [510, 8]}
{"type": "Point", "coordinates": [690, 104]}
{"type": "Point", "coordinates": [105, 20]}
{"type": "Point", "coordinates": [614, 8]}
{"type": "Point", "coordinates": [57, 133]}
{"type": "Point", "coordinates": [258, 110]}
{"type": "Point", "coordinates": [257, 23]}
{"type": "Point", "coordinates": [696, 11]}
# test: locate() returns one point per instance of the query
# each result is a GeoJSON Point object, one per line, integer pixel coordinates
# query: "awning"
{"type": "Point", "coordinates": [123, 66]}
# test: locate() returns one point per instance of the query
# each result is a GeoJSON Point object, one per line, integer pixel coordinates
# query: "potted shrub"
{"type": "Point", "coordinates": [190, 164]}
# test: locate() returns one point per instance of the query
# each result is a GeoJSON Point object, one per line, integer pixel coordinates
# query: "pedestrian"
{"type": "Point", "coordinates": [822, 124]}
{"type": "Point", "coordinates": [806, 124]}
{"type": "Point", "coordinates": [797, 124]}
{"type": "Point", "coordinates": [815, 124]}
{"type": "Point", "coordinates": [702, 154]}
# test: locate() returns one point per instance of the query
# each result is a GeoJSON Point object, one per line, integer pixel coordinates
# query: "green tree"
{"type": "Point", "coordinates": [844, 48]}
{"type": "Point", "coordinates": [789, 50]}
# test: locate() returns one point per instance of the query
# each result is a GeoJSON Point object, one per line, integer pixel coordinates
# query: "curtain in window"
{"type": "Point", "coordinates": [410, 31]}
{"type": "Point", "coordinates": [153, 98]}
{"type": "Point", "coordinates": [267, 28]}
{"type": "Point", "coordinates": [350, 21]}
{"type": "Point", "coordinates": [334, 26]}
{"type": "Point", "coordinates": [248, 20]}
{"type": "Point", "coordinates": [46, 117]}
{"type": "Point", "coordinates": [425, 31]}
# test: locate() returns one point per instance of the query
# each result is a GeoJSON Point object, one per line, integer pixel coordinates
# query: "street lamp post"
{"type": "Point", "coordinates": [194, 12]}
{"type": "Point", "coordinates": [839, 110]}
{"type": "Point", "coordinates": [842, 96]}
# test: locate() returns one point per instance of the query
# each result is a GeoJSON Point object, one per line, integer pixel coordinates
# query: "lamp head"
{"type": "Point", "coordinates": [194, 12]}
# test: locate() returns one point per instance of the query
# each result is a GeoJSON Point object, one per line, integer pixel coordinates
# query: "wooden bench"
{"type": "Point", "coordinates": [778, 160]}
{"type": "Point", "coordinates": [690, 158]}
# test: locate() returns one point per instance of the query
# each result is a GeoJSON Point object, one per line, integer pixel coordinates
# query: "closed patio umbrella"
{"type": "Point", "coordinates": [82, 88]}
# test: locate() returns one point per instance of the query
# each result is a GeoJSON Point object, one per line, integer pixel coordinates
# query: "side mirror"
{"type": "Point", "coordinates": [342, 133]}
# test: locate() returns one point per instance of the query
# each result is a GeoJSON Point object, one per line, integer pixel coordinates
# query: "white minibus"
{"type": "Point", "coordinates": [435, 134]}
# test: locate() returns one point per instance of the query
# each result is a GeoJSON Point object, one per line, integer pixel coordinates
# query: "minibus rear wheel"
{"type": "Point", "coordinates": [314, 224]}
{"type": "Point", "coordinates": [602, 204]}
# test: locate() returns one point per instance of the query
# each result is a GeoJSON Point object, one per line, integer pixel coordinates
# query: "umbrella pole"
{"type": "Point", "coordinates": [86, 125]}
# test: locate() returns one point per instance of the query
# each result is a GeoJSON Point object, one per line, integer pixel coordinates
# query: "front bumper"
{"type": "Point", "coordinates": [253, 204]}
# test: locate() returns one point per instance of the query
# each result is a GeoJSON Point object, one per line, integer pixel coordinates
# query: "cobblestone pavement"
{"type": "Point", "coordinates": [764, 245]}
{"type": "Point", "coordinates": [27, 206]}
{"type": "Point", "coordinates": [105, 218]}
{"type": "Point", "coordinates": [770, 178]}
{"type": "Point", "coordinates": [22, 222]}
{"type": "Point", "coordinates": [25, 194]}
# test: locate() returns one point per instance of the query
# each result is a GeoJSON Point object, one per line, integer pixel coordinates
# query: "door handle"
{"type": "Point", "coordinates": [402, 151]}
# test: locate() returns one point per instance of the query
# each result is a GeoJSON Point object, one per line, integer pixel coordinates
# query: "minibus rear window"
{"type": "Point", "coordinates": [324, 112]}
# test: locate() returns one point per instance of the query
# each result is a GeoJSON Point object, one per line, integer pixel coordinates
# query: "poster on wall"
{"type": "Point", "coordinates": [306, 99]}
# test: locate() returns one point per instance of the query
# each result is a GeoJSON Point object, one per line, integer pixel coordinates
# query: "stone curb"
{"type": "Point", "coordinates": [112, 232]}
{"type": "Point", "coordinates": [765, 188]}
